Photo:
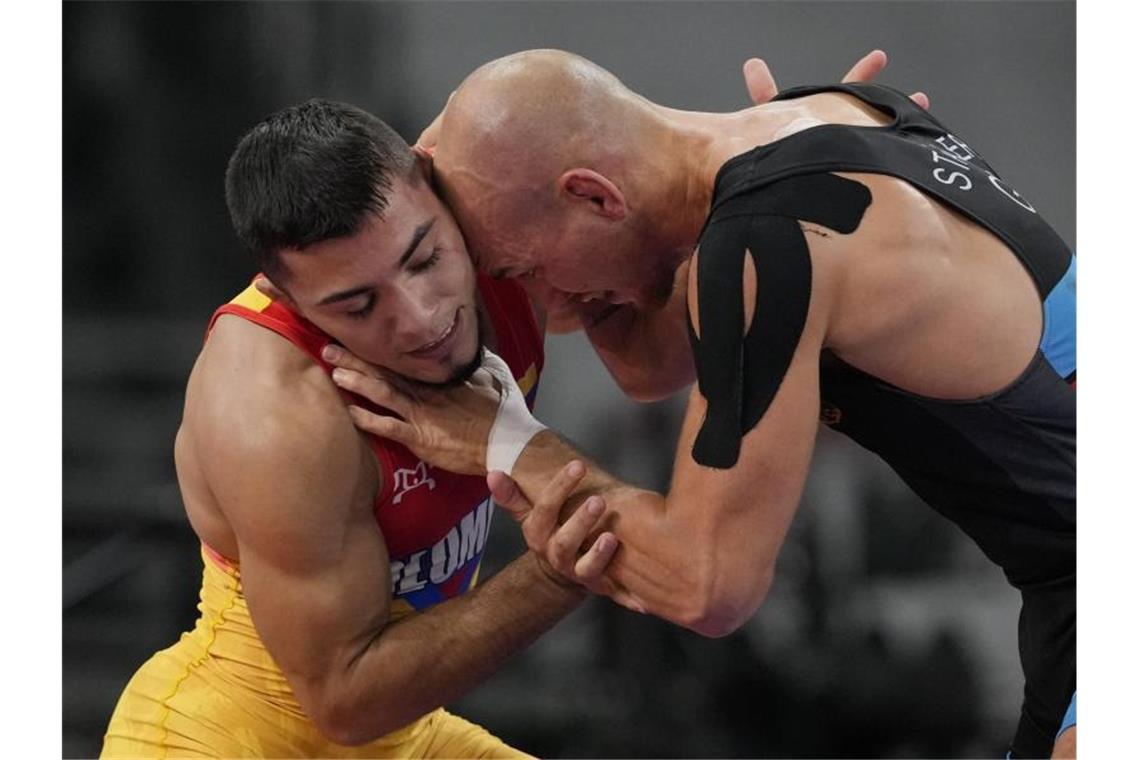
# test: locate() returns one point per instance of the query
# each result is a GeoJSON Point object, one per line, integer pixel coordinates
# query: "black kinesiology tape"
{"type": "Point", "coordinates": [740, 373]}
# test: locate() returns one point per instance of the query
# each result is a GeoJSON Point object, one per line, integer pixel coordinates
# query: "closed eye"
{"type": "Point", "coordinates": [427, 263]}
{"type": "Point", "coordinates": [364, 310]}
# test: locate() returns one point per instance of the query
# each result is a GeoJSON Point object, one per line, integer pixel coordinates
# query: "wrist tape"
{"type": "Point", "coordinates": [514, 425]}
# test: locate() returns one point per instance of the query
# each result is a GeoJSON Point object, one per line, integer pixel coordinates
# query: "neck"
{"type": "Point", "coordinates": [701, 143]}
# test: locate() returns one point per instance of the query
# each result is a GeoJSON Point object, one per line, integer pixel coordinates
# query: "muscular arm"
{"type": "Point", "coordinates": [703, 556]}
{"type": "Point", "coordinates": [297, 483]}
{"type": "Point", "coordinates": [646, 352]}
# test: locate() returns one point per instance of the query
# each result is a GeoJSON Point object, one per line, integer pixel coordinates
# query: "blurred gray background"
{"type": "Point", "coordinates": [886, 634]}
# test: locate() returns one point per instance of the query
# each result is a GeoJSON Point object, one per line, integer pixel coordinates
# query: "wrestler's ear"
{"type": "Point", "coordinates": [423, 161]}
{"type": "Point", "coordinates": [602, 195]}
{"type": "Point", "coordinates": [266, 287]}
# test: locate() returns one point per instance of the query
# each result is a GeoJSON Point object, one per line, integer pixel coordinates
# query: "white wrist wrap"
{"type": "Point", "coordinates": [514, 425]}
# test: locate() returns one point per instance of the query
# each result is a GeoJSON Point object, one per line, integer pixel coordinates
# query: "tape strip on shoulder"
{"type": "Point", "coordinates": [739, 374]}
{"type": "Point", "coordinates": [835, 202]}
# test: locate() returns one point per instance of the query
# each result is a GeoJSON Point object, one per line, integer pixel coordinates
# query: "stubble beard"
{"type": "Point", "coordinates": [462, 373]}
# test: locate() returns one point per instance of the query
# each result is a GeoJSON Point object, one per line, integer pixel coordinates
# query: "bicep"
{"type": "Point", "coordinates": [315, 614]}
{"type": "Point", "coordinates": [745, 444]}
{"type": "Point", "coordinates": [745, 509]}
{"type": "Point", "coordinates": [750, 426]}
{"type": "Point", "coordinates": [314, 565]}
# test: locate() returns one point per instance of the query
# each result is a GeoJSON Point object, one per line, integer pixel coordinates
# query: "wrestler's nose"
{"type": "Point", "coordinates": [412, 320]}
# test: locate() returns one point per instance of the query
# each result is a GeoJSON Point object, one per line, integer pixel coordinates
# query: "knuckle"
{"type": "Point", "coordinates": [562, 545]}
{"type": "Point", "coordinates": [583, 519]}
{"type": "Point", "coordinates": [564, 568]}
{"type": "Point", "coordinates": [534, 541]}
{"type": "Point", "coordinates": [546, 507]}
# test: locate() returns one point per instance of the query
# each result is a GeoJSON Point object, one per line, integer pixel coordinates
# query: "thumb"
{"type": "Point", "coordinates": [508, 495]}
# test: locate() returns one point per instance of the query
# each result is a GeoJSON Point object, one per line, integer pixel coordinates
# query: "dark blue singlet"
{"type": "Point", "coordinates": [1002, 467]}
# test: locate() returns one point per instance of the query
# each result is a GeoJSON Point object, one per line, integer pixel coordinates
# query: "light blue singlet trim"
{"type": "Point", "coordinates": [1070, 718]}
{"type": "Point", "coordinates": [1059, 338]}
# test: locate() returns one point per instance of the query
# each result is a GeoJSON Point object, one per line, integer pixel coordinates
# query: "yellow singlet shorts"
{"type": "Point", "coordinates": [218, 693]}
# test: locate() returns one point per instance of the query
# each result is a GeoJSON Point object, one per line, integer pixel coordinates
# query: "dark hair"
{"type": "Point", "coordinates": [309, 173]}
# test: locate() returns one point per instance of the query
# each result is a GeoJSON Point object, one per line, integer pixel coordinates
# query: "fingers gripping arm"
{"type": "Point", "coordinates": [704, 555]}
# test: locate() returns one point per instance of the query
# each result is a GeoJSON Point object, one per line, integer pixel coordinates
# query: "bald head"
{"type": "Point", "coordinates": [549, 162]}
{"type": "Point", "coordinates": [539, 111]}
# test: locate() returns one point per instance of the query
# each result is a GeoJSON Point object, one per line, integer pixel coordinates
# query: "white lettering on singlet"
{"type": "Point", "coordinates": [955, 147]}
{"type": "Point", "coordinates": [445, 557]}
{"type": "Point", "coordinates": [409, 575]}
{"type": "Point", "coordinates": [950, 150]}
{"type": "Point", "coordinates": [462, 543]}
{"type": "Point", "coordinates": [948, 177]}
{"type": "Point", "coordinates": [1010, 193]}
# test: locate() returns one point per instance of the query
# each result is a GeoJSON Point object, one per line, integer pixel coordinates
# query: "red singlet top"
{"type": "Point", "coordinates": [434, 522]}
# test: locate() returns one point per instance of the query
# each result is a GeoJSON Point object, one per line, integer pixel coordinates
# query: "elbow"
{"type": "Point", "coordinates": [726, 601]}
{"type": "Point", "coordinates": [341, 727]}
{"type": "Point", "coordinates": [717, 618]}
{"type": "Point", "coordinates": [347, 706]}
{"type": "Point", "coordinates": [347, 724]}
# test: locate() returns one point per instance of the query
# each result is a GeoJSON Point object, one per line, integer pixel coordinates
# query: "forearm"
{"type": "Point", "coordinates": [429, 659]}
{"type": "Point", "coordinates": [654, 562]}
{"type": "Point", "coordinates": [646, 352]}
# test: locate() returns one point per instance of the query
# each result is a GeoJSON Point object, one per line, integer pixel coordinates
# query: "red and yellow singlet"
{"type": "Point", "coordinates": [218, 692]}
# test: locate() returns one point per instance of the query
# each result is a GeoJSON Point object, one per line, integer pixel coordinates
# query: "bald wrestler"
{"type": "Point", "coordinates": [339, 607]}
{"type": "Point", "coordinates": [835, 255]}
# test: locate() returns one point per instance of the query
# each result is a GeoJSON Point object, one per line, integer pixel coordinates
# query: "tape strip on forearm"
{"type": "Point", "coordinates": [514, 425]}
{"type": "Point", "coordinates": [739, 374]}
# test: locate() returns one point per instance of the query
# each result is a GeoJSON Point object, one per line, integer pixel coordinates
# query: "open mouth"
{"type": "Point", "coordinates": [440, 344]}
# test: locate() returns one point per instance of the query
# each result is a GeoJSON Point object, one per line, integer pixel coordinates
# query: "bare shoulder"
{"type": "Point", "coordinates": [822, 108]}
{"type": "Point", "coordinates": [895, 268]}
{"type": "Point", "coordinates": [929, 300]}
{"type": "Point", "coordinates": [271, 436]}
